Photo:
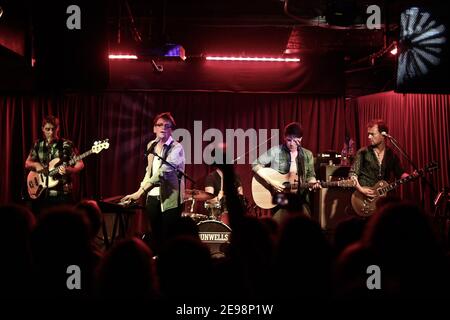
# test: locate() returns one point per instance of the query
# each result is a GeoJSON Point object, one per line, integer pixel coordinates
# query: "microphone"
{"type": "Point", "coordinates": [384, 133]}
{"type": "Point", "coordinates": [151, 149]}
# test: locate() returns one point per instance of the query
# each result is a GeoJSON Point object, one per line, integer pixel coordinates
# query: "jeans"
{"type": "Point", "coordinates": [160, 222]}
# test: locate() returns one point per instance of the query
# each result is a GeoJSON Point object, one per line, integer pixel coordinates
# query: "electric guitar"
{"type": "Point", "coordinates": [364, 206]}
{"type": "Point", "coordinates": [263, 192]}
{"type": "Point", "coordinates": [38, 181]}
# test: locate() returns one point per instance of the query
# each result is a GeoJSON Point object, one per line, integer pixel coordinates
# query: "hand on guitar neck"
{"type": "Point", "coordinates": [369, 192]}
{"type": "Point", "coordinates": [41, 178]}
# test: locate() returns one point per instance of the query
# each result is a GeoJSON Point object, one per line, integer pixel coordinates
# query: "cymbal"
{"type": "Point", "coordinates": [198, 195]}
{"type": "Point", "coordinates": [194, 215]}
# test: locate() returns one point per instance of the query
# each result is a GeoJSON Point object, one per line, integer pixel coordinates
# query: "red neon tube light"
{"type": "Point", "coordinates": [258, 59]}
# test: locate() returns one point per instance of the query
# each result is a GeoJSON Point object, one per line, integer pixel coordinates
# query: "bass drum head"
{"type": "Point", "coordinates": [216, 235]}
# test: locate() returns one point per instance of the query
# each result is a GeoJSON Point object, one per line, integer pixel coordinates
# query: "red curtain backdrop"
{"type": "Point", "coordinates": [420, 123]}
{"type": "Point", "coordinates": [126, 119]}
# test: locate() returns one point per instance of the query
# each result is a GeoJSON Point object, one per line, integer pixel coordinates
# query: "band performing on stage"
{"type": "Point", "coordinates": [216, 224]}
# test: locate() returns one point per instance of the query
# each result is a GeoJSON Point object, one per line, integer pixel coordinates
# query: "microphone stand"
{"type": "Point", "coordinates": [424, 180]}
{"type": "Point", "coordinates": [180, 174]}
{"type": "Point", "coordinates": [245, 153]}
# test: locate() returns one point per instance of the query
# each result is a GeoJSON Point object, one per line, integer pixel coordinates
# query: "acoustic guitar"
{"type": "Point", "coordinates": [263, 192]}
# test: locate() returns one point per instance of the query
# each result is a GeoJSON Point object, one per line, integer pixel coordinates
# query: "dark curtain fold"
{"type": "Point", "coordinates": [420, 123]}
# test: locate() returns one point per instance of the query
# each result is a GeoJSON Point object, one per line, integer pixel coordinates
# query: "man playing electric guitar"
{"type": "Point", "coordinates": [290, 158]}
{"type": "Point", "coordinates": [375, 162]}
{"type": "Point", "coordinates": [42, 153]}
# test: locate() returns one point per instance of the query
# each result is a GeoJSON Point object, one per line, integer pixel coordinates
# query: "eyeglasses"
{"type": "Point", "coordinates": [166, 126]}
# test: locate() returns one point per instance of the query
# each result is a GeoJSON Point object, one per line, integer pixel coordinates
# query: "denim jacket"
{"type": "Point", "coordinates": [279, 159]}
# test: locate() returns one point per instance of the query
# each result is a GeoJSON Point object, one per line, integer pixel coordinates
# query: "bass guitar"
{"type": "Point", "coordinates": [38, 181]}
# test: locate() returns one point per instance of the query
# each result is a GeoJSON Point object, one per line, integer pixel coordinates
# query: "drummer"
{"type": "Point", "coordinates": [214, 185]}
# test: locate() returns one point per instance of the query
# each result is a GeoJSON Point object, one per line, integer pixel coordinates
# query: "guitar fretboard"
{"type": "Point", "coordinates": [71, 162]}
{"type": "Point", "coordinates": [397, 183]}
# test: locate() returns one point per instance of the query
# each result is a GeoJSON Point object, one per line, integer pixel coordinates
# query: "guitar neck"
{"type": "Point", "coordinates": [78, 158]}
{"type": "Point", "coordinates": [71, 162]}
{"type": "Point", "coordinates": [397, 183]}
{"type": "Point", "coordinates": [328, 184]}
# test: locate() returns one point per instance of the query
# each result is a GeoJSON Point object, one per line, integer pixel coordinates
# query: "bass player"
{"type": "Point", "coordinates": [44, 150]}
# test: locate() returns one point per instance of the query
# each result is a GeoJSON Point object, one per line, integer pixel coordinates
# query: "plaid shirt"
{"type": "Point", "coordinates": [62, 149]}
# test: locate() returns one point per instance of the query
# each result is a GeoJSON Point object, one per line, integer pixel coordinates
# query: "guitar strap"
{"type": "Point", "coordinates": [59, 145]}
{"type": "Point", "coordinates": [300, 165]}
{"type": "Point", "coordinates": [36, 150]}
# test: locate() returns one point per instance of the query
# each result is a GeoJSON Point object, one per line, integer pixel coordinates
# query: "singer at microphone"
{"type": "Point", "coordinates": [375, 162]}
{"type": "Point", "coordinates": [152, 147]}
{"type": "Point", "coordinates": [384, 133]}
{"type": "Point", "coordinates": [162, 185]}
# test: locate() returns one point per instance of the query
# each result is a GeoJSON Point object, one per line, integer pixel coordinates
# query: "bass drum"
{"type": "Point", "coordinates": [216, 235]}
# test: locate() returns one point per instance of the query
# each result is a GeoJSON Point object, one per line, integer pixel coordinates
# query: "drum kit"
{"type": "Point", "coordinates": [213, 227]}
{"type": "Point", "coordinates": [216, 209]}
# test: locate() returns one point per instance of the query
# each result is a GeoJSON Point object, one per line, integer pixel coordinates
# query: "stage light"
{"type": "Point", "coordinates": [123, 56]}
{"type": "Point", "coordinates": [394, 51]}
{"type": "Point", "coordinates": [165, 52]}
{"type": "Point", "coordinates": [168, 51]}
{"type": "Point", "coordinates": [254, 59]}
{"type": "Point", "coordinates": [424, 50]}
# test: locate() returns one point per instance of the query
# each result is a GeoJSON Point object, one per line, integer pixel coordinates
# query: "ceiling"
{"type": "Point", "coordinates": [251, 27]}
{"type": "Point", "coordinates": [228, 27]}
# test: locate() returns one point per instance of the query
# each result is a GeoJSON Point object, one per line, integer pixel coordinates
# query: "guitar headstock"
{"type": "Point", "coordinates": [100, 145]}
{"type": "Point", "coordinates": [432, 166]}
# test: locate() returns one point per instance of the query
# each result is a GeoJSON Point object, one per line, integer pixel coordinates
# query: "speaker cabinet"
{"type": "Point", "coordinates": [334, 207]}
{"type": "Point", "coordinates": [333, 204]}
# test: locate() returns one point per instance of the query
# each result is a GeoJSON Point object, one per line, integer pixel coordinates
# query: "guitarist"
{"type": "Point", "coordinates": [44, 150]}
{"type": "Point", "coordinates": [292, 158]}
{"type": "Point", "coordinates": [375, 162]}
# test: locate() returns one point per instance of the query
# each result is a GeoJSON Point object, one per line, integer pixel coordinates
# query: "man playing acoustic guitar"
{"type": "Point", "coordinates": [44, 150]}
{"type": "Point", "coordinates": [292, 159]}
